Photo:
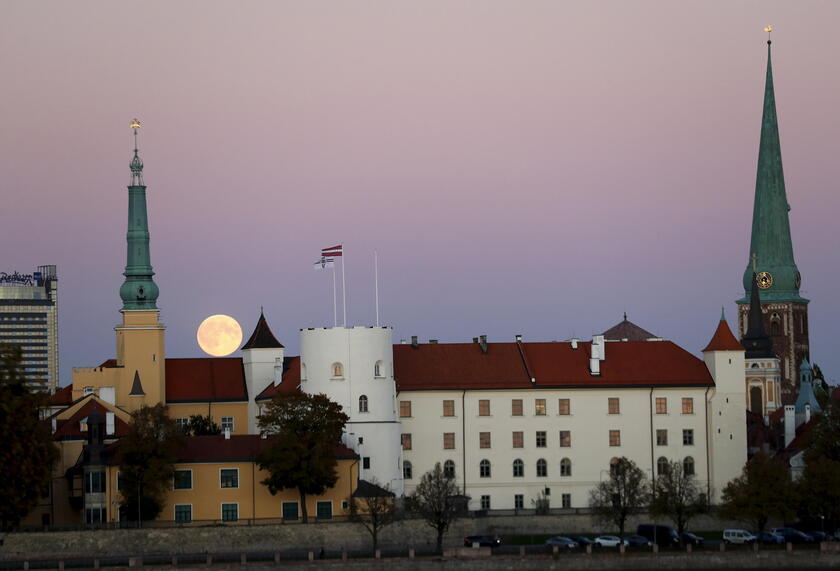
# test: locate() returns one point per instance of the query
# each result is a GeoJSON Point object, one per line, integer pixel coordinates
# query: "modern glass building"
{"type": "Point", "coordinates": [29, 319]}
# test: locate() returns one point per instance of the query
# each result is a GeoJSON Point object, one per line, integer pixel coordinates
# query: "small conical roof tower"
{"type": "Point", "coordinates": [806, 390]}
{"type": "Point", "coordinates": [262, 337]}
{"type": "Point", "coordinates": [771, 248]}
{"type": "Point", "coordinates": [723, 339]}
{"type": "Point", "coordinates": [138, 291]}
{"type": "Point", "coordinates": [756, 342]}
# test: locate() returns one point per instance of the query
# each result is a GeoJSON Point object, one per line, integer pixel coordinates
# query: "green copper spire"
{"type": "Point", "coordinates": [138, 291]}
{"type": "Point", "coordinates": [771, 249]}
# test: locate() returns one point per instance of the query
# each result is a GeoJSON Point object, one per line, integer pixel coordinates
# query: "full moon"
{"type": "Point", "coordinates": [219, 335]}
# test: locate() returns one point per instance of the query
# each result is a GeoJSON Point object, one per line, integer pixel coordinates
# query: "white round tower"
{"type": "Point", "coordinates": [355, 368]}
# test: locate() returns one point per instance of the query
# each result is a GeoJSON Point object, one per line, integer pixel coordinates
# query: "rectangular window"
{"type": "Point", "coordinates": [541, 439]}
{"type": "Point", "coordinates": [539, 407]}
{"type": "Point", "coordinates": [323, 510]}
{"type": "Point", "coordinates": [230, 512]}
{"type": "Point", "coordinates": [661, 405]}
{"type": "Point", "coordinates": [518, 501]}
{"type": "Point", "coordinates": [366, 463]}
{"type": "Point", "coordinates": [565, 438]}
{"type": "Point", "coordinates": [227, 424]}
{"type": "Point", "coordinates": [484, 440]}
{"type": "Point", "coordinates": [566, 500]}
{"type": "Point", "coordinates": [613, 405]}
{"type": "Point", "coordinates": [183, 513]}
{"type": "Point", "coordinates": [449, 408]}
{"type": "Point", "coordinates": [688, 437]}
{"type": "Point", "coordinates": [688, 405]}
{"type": "Point", "coordinates": [94, 482]}
{"type": "Point", "coordinates": [230, 477]}
{"type": "Point", "coordinates": [406, 441]}
{"type": "Point", "coordinates": [484, 407]}
{"type": "Point", "coordinates": [182, 480]}
{"type": "Point", "coordinates": [290, 511]}
{"type": "Point", "coordinates": [516, 407]}
{"type": "Point", "coordinates": [615, 438]}
{"type": "Point", "coordinates": [485, 502]}
{"type": "Point", "coordinates": [95, 515]}
{"type": "Point", "coordinates": [405, 408]}
{"type": "Point", "coordinates": [519, 439]}
{"type": "Point", "coordinates": [565, 407]}
{"type": "Point", "coordinates": [661, 437]}
{"type": "Point", "coordinates": [448, 440]}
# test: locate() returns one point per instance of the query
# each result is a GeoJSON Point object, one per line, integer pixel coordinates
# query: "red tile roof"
{"type": "Point", "coordinates": [723, 340]}
{"type": "Point", "coordinates": [205, 379]}
{"type": "Point", "coordinates": [243, 447]}
{"type": "Point", "coordinates": [464, 366]}
{"type": "Point", "coordinates": [290, 383]}
{"type": "Point", "coordinates": [70, 429]}
{"type": "Point", "coordinates": [62, 396]}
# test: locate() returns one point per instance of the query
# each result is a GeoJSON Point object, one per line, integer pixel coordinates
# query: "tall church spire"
{"type": "Point", "coordinates": [138, 291]}
{"type": "Point", "coordinates": [756, 342]}
{"type": "Point", "coordinates": [771, 249]}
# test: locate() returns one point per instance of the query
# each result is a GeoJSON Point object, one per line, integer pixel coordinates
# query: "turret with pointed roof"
{"type": "Point", "coordinates": [262, 337]}
{"type": "Point", "coordinates": [626, 330]}
{"type": "Point", "coordinates": [262, 363]}
{"type": "Point", "coordinates": [723, 339]}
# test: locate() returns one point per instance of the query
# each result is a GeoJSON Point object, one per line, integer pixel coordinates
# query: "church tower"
{"type": "Point", "coordinates": [784, 311]}
{"type": "Point", "coordinates": [140, 343]}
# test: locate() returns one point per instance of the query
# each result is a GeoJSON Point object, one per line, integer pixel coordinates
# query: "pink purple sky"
{"type": "Point", "coordinates": [521, 167]}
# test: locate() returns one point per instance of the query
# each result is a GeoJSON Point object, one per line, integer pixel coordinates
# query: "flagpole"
{"type": "Point", "coordinates": [343, 288]}
{"type": "Point", "coordinates": [335, 310]}
{"type": "Point", "coordinates": [376, 283]}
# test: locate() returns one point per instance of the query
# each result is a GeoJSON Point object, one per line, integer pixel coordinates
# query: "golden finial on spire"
{"type": "Point", "coordinates": [135, 124]}
{"type": "Point", "coordinates": [768, 29]}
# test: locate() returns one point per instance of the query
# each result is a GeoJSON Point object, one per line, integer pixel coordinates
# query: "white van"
{"type": "Point", "coordinates": [738, 536]}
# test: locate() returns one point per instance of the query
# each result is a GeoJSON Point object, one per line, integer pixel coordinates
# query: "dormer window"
{"type": "Point", "coordinates": [378, 369]}
{"type": "Point", "coordinates": [337, 370]}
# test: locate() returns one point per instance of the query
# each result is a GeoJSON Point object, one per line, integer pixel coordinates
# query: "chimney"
{"type": "Point", "coordinates": [518, 338]}
{"type": "Point", "coordinates": [475, 339]}
{"type": "Point", "coordinates": [433, 341]}
{"type": "Point", "coordinates": [807, 413]}
{"type": "Point", "coordinates": [599, 340]}
{"type": "Point", "coordinates": [414, 342]}
{"type": "Point", "coordinates": [278, 371]}
{"type": "Point", "coordinates": [575, 342]}
{"type": "Point", "coordinates": [790, 423]}
{"type": "Point", "coordinates": [109, 423]}
{"type": "Point", "coordinates": [402, 341]}
{"type": "Point", "coordinates": [482, 340]}
{"type": "Point", "coordinates": [54, 424]}
{"type": "Point", "coordinates": [595, 359]}
{"type": "Point", "coordinates": [227, 433]}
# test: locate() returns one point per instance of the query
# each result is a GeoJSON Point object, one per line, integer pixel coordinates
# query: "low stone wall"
{"type": "Point", "coordinates": [313, 536]}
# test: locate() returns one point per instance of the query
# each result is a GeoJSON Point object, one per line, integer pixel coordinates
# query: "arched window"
{"type": "Point", "coordinates": [337, 370]}
{"type": "Point", "coordinates": [484, 469]}
{"type": "Point", "coordinates": [407, 470]}
{"type": "Point", "coordinates": [518, 468]}
{"type": "Point", "coordinates": [542, 468]}
{"type": "Point", "coordinates": [756, 400]}
{"type": "Point", "coordinates": [303, 371]}
{"type": "Point", "coordinates": [565, 467]}
{"type": "Point", "coordinates": [775, 324]}
{"type": "Point", "coordinates": [688, 466]}
{"type": "Point", "coordinates": [363, 403]}
{"type": "Point", "coordinates": [379, 369]}
{"type": "Point", "coordinates": [449, 469]}
{"type": "Point", "coordinates": [662, 466]}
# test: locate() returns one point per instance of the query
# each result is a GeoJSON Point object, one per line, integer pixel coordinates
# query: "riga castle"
{"type": "Point", "coordinates": [515, 422]}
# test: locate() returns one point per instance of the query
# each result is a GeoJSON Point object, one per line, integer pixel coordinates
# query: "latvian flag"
{"type": "Point", "coordinates": [324, 263]}
{"type": "Point", "coordinates": [333, 252]}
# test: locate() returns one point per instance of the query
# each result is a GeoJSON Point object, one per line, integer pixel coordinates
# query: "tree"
{"type": "Point", "coordinates": [762, 491]}
{"type": "Point", "coordinates": [677, 496]}
{"type": "Point", "coordinates": [27, 453]}
{"type": "Point", "coordinates": [436, 500]}
{"type": "Point", "coordinates": [623, 493]}
{"type": "Point", "coordinates": [373, 506]}
{"type": "Point", "coordinates": [824, 439]}
{"type": "Point", "coordinates": [199, 425]}
{"type": "Point", "coordinates": [147, 456]}
{"type": "Point", "coordinates": [818, 491]}
{"type": "Point", "coordinates": [301, 455]}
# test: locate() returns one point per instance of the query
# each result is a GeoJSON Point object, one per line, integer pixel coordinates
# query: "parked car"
{"type": "Point", "coordinates": [769, 538]}
{"type": "Point", "coordinates": [660, 534]}
{"type": "Point", "coordinates": [791, 535]}
{"type": "Point", "coordinates": [609, 541]}
{"type": "Point", "coordinates": [638, 541]}
{"type": "Point", "coordinates": [737, 536]}
{"type": "Point", "coordinates": [482, 540]}
{"type": "Point", "coordinates": [818, 536]}
{"type": "Point", "coordinates": [562, 542]}
{"type": "Point", "coordinates": [691, 539]}
{"type": "Point", "coordinates": [584, 541]}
